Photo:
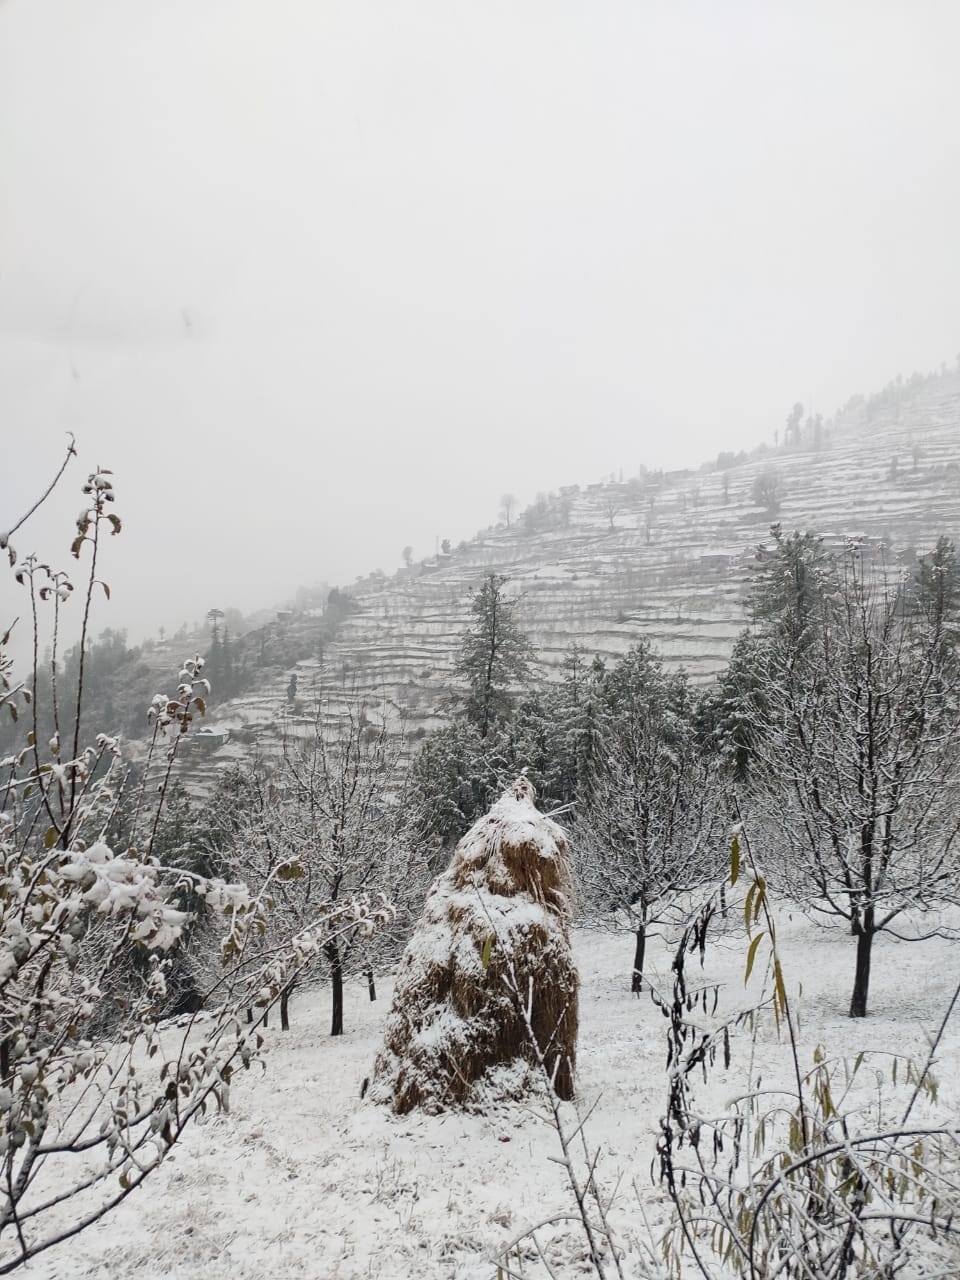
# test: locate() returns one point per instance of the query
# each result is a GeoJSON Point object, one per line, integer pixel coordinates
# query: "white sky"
{"type": "Point", "coordinates": [321, 279]}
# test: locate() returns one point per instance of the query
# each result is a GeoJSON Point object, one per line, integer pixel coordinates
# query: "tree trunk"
{"type": "Point", "coordinates": [371, 985]}
{"type": "Point", "coordinates": [336, 982]}
{"type": "Point", "coordinates": [636, 985]}
{"type": "Point", "coordinates": [285, 995]}
{"type": "Point", "coordinates": [861, 982]}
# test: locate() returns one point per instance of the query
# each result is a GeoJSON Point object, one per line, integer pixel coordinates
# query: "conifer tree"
{"type": "Point", "coordinates": [495, 656]}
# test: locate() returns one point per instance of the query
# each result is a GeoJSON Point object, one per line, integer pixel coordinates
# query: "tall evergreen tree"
{"type": "Point", "coordinates": [495, 656]}
{"type": "Point", "coordinates": [937, 593]}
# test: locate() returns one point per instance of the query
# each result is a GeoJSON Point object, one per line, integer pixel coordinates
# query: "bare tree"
{"type": "Point", "coordinates": [648, 829]}
{"type": "Point", "coordinates": [333, 809]}
{"type": "Point", "coordinates": [612, 505]}
{"type": "Point", "coordinates": [858, 754]}
{"type": "Point", "coordinates": [508, 505]}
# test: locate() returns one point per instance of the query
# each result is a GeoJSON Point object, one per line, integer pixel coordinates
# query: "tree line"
{"type": "Point", "coordinates": [833, 733]}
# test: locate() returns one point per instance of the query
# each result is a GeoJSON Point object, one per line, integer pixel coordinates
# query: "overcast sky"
{"type": "Point", "coordinates": [318, 280]}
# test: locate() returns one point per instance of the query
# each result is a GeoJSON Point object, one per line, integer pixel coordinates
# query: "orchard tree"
{"type": "Point", "coordinates": [857, 753]}
{"type": "Point", "coordinates": [332, 809]}
{"type": "Point", "coordinates": [612, 504]}
{"type": "Point", "coordinates": [648, 825]}
{"type": "Point", "coordinates": [495, 656]}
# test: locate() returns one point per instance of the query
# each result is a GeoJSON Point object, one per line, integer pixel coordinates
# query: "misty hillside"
{"type": "Point", "coordinates": [663, 556]}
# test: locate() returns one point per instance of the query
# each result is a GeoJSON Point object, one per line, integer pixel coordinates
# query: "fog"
{"type": "Point", "coordinates": [319, 280]}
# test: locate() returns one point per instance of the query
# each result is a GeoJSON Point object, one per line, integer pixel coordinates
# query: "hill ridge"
{"type": "Point", "coordinates": [664, 556]}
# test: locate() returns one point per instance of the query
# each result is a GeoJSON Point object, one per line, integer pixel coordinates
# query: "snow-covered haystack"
{"type": "Point", "coordinates": [488, 971]}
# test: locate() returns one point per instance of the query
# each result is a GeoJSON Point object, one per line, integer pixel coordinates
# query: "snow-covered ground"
{"type": "Point", "coordinates": [303, 1179]}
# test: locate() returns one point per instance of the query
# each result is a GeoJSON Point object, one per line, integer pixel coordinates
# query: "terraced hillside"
{"type": "Point", "coordinates": [664, 556]}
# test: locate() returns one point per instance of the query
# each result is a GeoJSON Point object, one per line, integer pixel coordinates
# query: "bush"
{"type": "Point", "coordinates": [88, 932]}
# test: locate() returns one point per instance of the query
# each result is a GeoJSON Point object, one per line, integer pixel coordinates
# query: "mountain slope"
{"type": "Point", "coordinates": [667, 557]}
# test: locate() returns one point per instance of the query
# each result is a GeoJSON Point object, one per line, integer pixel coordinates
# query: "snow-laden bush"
{"type": "Point", "coordinates": [85, 1115]}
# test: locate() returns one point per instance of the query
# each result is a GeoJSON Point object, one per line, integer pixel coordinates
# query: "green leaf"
{"type": "Point", "coordinates": [106, 590]}
{"type": "Point", "coordinates": [751, 956]}
{"type": "Point", "coordinates": [734, 861]}
{"type": "Point", "coordinates": [485, 952]}
{"type": "Point", "coordinates": [51, 837]}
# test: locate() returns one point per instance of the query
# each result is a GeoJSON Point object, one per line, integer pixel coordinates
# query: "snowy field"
{"type": "Point", "coordinates": [303, 1179]}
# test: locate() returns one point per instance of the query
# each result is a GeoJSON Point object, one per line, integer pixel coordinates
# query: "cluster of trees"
{"type": "Point", "coordinates": [840, 714]}
{"type": "Point", "coordinates": [618, 750]}
{"type": "Point", "coordinates": [834, 733]}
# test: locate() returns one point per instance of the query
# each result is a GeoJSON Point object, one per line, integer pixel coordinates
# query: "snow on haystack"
{"type": "Point", "coordinates": [490, 953]}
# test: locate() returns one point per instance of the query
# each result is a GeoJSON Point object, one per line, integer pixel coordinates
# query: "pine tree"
{"type": "Point", "coordinates": [552, 733]}
{"type": "Point", "coordinates": [495, 656]}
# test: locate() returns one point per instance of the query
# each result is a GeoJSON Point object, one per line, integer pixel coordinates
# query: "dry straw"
{"type": "Point", "coordinates": [488, 971]}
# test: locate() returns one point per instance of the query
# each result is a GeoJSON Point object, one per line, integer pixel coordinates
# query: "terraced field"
{"type": "Point", "coordinates": [667, 557]}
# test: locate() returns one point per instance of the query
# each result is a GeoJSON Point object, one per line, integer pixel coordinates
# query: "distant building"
{"type": "Point", "coordinates": [717, 560]}
{"type": "Point", "coordinates": [209, 738]}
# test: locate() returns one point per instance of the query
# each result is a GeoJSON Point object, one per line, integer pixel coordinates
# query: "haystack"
{"type": "Point", "coordinates": [488, 972]}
